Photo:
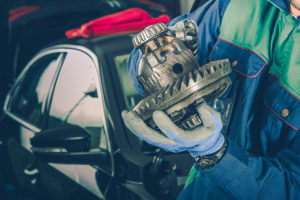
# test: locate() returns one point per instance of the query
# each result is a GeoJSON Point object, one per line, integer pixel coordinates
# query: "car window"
{"type": "Point", "coordinates": [29, 95]}
{"type": "Point", "coordinates": [130, 95]}
{"type": "Point", "coordinates": [76, 99]}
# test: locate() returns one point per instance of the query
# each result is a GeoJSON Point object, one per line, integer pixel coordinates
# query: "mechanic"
{"type": "Point", "coordinates": [259, 155]}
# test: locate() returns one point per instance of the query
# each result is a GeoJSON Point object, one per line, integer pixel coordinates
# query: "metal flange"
{"type": "Point", "coordinates": [204, 83]}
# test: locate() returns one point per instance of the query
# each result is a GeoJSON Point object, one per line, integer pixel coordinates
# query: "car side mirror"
{"type": "Point", "coordinates": [91, 91]}
{"type": "Point", "coordinates": [67, 144]}
{"type": "Point", "coordinates": [66, 138]}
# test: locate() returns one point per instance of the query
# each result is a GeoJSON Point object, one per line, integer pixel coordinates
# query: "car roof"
{"type": "Point", "coordinates": [98, 45]}
{"type": "Point", "coordinates": [51, 20]}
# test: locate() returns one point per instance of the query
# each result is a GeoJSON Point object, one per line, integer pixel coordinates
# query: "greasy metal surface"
{"type": "Point", "coordinates": [165, 59]}
{"type": "Point", "coordinates": [148, 34]}
{"type": "Point", "coordinates": [203, 84]}
{"type": "Point", "coordinates": [174, 82]}
{"type": "Point", "coordinates": [186, 31]}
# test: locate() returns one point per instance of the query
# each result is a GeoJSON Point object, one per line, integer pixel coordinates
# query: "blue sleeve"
{"type": "Point", "coordinates": [208, 17]}
{"type": "Point", "coordinates": [242, 175]}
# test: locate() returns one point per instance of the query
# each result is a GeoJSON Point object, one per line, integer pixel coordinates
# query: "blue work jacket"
{"type": "Point", "coordinates": [262, 41]}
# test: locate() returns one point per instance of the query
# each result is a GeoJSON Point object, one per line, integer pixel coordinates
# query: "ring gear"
{"type": "Point", "coordinates": [172, 78]}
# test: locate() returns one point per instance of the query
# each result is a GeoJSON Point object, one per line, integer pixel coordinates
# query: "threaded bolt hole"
{"type": "Point", "coordinates": [177, 68]}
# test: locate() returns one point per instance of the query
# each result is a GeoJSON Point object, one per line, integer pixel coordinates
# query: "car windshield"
{"type": "Point", "coordinates": [130, 95]}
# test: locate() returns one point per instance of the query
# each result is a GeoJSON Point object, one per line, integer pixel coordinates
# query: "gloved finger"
{"type": "Point", "coordinates": [177, 134]}
{"type": "Point", "coordinates": [138, 127]}
{"type": "Point", "coordinates": [217, 123]}
{"type": "Point", "coordinates": [212, 123]}
{"type": "Point", "coordinates": [167, 147]}
{"type": "Point", "coordinates": [205, 113]}
{"type": "Point", "coordinates": [203, 133]}
{"type": "Point", "coordinates": [165, 124]}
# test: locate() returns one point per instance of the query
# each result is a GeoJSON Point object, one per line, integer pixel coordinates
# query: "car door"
{"type": "Point", "coordinates": [77, 100]}
{"type": "Point", "coordinates": [37, 93]}
{"type": "Point", "coordinates": [26, 104]}
{"type": "Point", "coordinates": [26, 101]}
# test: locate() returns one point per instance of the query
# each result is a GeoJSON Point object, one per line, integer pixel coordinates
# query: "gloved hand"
{"type": "Point", "coordinates": [202, 140]}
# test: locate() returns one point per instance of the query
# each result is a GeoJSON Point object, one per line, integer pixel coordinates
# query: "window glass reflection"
{"type": "Point", "coordinates": [130, 95]}
{"type": "Point", "coordinates": [76, 100]}
{"type": "Point", "coordinates": [30, 95]}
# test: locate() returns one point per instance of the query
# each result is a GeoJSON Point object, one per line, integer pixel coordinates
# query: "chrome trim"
{"type": "Point", "coordinates": [48, 150]}
{"type": "Point", "coordinates": [23, 123]}
{"type": "Point", "coordinates": [45, 108]}
{"type": "Point", "coordinates": [134, 182]}
{"type": "Point", "coordinates": [32, 172]}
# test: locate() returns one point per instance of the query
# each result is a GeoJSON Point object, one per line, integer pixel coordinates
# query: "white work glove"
{"type": "Point", "coordinates": [202, 140]}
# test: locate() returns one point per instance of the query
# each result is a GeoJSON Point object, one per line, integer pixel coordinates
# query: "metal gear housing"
{"type": "Point", "coordinates": [172, 78]}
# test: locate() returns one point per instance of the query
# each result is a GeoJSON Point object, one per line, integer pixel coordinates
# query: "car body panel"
{"type": "Point", "coordinates": [84, 175]}
{"type": "Point", "coordinates": [132, 159]}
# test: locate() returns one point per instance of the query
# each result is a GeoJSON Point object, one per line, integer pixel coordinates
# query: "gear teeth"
{"type": "Point", "coordinates": [143, 82]}
{"type": "Point", "coordinates": [153, 100]}
{"type": "Point", "coordinates": [182, 83]}
{"type": "Point", "coordinates": [167, 92]}
{"type": "Point", "coordinates": [191, 122]}
{"type": "Point", "coordinates": [170, 90]}
{"type": "Point", "coordinates": [162, 94]}
{"type": "Point", "coordinates": [156, 75]}
{"type": "Point", "coordinates": [178, 85]}
{"type": "Point", "coordinates": [151, 81]}
{"type": "Point", "coordinates": [201, 74]}
{"type": "Point", "coordinates": [142, 109]}
{"type": "Point", "coordinates": [148, 33]}
{"type": "Point", "coordinates": [206, 72]}
{"type": "Point", "coordinates": [192, 77]}
{"type": "Point", "coordinates": [147, 105]}
{"type": "Point", "coordinates": [185, 81]}
{"type": "Point", "coordinates": [213, 69]}
{"type": "Point", "coordinates": [159, 97]}
{"type": "Point", "coordinates": [185, 55]}
{"type": "Point", "coordinates": [198, 74]}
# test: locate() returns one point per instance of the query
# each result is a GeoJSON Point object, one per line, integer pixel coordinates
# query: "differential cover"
{"type": "Point", "coordinates": [172, 78]}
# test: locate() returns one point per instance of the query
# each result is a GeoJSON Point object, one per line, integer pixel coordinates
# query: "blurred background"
{"type": "Point", "coordinates": [30, 25]}
{"type": "Point", "coordinates": [15, 26]}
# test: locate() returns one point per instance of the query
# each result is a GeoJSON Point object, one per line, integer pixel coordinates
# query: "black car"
{"type": "Point", "coordinates": [70, 141]}
{"type": "Point", "coordinates": [34, 24]}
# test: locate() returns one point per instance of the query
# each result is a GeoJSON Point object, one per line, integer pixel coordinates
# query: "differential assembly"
{"type": "Point", "coordinates": [171, 77]}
